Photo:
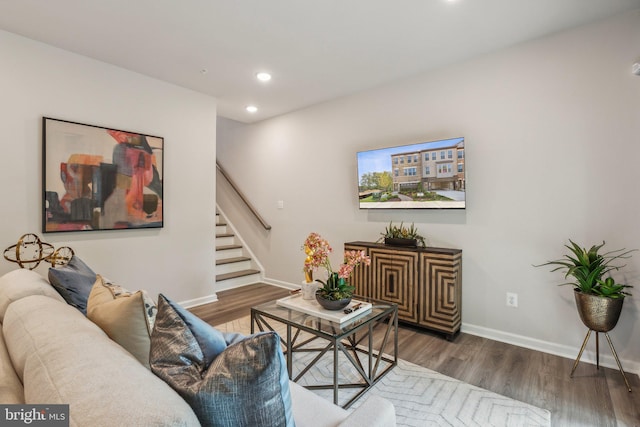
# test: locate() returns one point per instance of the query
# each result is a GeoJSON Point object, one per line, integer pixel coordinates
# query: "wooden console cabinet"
{"type": "Point", "coordinates": [425, 283]}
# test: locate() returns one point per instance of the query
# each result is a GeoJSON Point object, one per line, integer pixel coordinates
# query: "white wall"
{"type": "Point", "coordinates": [551, 130]}
{"type": "Point", "coordinates": [38, 80]}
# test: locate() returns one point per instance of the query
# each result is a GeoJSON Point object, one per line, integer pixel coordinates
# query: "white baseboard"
{"type": "Point", "coordinates": [280, 283]}
{"type": "Point", "coordinates": [199, 301]}
{"type": "Point", "coordinates": [569, 352]}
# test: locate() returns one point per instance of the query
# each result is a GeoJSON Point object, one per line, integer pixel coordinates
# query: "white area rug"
{"type": "Point", "coordinates": [421, 397]}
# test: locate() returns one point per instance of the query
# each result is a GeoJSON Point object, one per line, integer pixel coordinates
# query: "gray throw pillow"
{"type": "Point", "coordinates": [244, 385]}
{"type": "Point", "coordinates": [73, 282]}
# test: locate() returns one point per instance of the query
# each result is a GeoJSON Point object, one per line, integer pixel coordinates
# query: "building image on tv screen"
{"type": "Point", "coordinates": [425, 175]}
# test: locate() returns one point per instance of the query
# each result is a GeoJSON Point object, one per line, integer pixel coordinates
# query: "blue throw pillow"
{"type": "Point", "coordinates": [246, 384]}
{"type": "Point", "coordinates": [210, 340]}
{"type": "Point", "coordinates": [73, 282]}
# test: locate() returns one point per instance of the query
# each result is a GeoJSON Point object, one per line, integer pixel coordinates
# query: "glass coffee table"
{"type": "Point", "coordinates": [353, 355]}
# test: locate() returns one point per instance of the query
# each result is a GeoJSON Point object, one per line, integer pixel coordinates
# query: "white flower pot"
{"type": "Point", "coordinates": [309, 290]}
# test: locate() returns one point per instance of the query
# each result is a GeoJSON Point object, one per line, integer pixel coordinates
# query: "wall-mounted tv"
{"type": "Point", "coordinates": [424, 175]}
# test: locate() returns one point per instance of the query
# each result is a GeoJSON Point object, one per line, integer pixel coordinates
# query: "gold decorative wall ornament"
{"type": "Point", "coordinates": [29, 251]}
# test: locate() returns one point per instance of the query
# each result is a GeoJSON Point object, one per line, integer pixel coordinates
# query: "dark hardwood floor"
{"type": "Point", "coordinates": [591, 398]}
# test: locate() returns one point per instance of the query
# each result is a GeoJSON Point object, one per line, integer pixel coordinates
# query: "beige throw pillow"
{"type": "Point", "coordinates": [127, 318]}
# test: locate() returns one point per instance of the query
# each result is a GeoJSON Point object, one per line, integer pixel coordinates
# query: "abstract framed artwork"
{"type": "Point", "coordinates": [97, 178]}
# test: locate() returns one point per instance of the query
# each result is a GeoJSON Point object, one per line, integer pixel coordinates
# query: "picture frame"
{"type": "Point", "coordinates": [99, 178]}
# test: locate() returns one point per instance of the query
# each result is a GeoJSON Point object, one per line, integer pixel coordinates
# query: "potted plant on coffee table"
{"type": "Point", "coordinates": [335, 292]}
{"type": "Point", "coordinates": [598, 298]}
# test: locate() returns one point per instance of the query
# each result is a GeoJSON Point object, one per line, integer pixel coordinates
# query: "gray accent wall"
{"type": "Point", "coordinates": [552, 142]}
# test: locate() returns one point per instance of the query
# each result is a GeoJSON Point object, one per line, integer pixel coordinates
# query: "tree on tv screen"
{"type": "Point", "coordinates": [376, 181]}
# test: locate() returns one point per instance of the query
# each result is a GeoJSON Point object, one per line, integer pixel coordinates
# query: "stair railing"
{"type": "Point", "coordinates": [252, 209]}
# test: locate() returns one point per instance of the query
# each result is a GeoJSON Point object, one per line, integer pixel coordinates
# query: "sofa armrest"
{"type": "Point", "coordinates": [21, 283]}
{"type": "Point", "coordinates": [11, 390]}
{"type": "Point", "coordinates": [374, 412]}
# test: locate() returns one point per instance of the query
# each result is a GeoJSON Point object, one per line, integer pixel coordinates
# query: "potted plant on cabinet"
{"type": "Point", "coordinates": [402, 236]}
{"type": "Point", "coordinates": [598, 298]}
{"type": "Point", "coordinates": [336, 292]}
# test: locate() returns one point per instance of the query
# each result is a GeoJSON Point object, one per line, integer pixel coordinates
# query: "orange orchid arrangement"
{"type": "Point", "coordinates": [317, 250]}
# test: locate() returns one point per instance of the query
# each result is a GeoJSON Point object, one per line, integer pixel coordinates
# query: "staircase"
{"type": "Point", "coordinates": [233, 267]}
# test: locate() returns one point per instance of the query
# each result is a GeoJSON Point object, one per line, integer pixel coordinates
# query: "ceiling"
{"type": "Point", "coordinates": [316, 50]}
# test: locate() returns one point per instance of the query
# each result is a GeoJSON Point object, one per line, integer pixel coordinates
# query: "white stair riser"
{"type": "Point", "coordinates": [237, 281]}
{"type": "Point", "coordinates": [229, 268]}
{"type": "Point", "coordinates": [229, 253]}
{"type": "Point", "coordinates": [223, 241]}
{"type": "Point", "coordinates": [233, 267]}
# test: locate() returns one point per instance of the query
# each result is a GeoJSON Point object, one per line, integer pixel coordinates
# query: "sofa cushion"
{"type": "Point", "coordinates": [245, 385]}
{"type": "Point", "coordinates": [21, 283]}
{"type": "Point", "coordinates": [126, 317]}
{"type": "Point", "coordinates": [64, 358]}
{"type": "Point", "coordinates": [309, 409]}
{"type": "Point", "coordinates": [74, 282]}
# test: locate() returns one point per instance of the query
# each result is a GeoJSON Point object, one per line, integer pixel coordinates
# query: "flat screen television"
{"type": "Point", "coordinates": [424, 175]}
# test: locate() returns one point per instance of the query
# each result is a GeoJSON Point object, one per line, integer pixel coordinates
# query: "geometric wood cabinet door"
{"type": "Point", "coordinates": [441, 291]}
{"type": "Point", "coordinates": [425, 283]}
{"type": "Point", "coordinates": [360, 276]}
{"type": "Point", "coordinates": [394, 278]}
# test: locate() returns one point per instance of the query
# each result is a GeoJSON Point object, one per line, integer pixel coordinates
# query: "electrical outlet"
{"type": "Point", "coordinates": [512, 299]}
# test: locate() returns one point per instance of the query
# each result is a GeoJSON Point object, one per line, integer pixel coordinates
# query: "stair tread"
{"type": "Point", "coordinates": [227, 247]}
{"type": "Point", "coordinates": [235, 274]}
{"type": "Point", "coordinates": [232, 260]}
{"type": "Point", "coordinates": [218, 235]}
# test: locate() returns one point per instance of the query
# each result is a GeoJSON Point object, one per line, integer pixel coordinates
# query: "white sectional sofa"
{"type": "Point", "coordinates": [50, 353]}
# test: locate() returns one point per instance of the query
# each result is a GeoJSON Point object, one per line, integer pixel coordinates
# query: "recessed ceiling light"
{"type": "Point", "coordinates": [251, 108]}
{"type": "Point", "coordinates": [263, 77]}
